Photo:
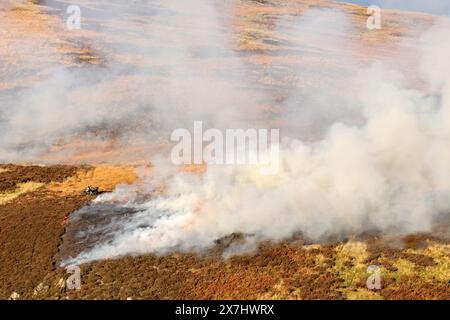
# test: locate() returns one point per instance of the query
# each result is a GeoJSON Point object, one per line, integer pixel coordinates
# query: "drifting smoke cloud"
{"type": "Point", "coordinates": [126, 96]}
{"type": "Point", "coordinates": [386, 172]}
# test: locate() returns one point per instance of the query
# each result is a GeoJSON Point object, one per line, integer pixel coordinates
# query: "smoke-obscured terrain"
{"type": "Point", "coordinates": [364, 133]}
{"type": "Point", "coordinates": [438, 7]}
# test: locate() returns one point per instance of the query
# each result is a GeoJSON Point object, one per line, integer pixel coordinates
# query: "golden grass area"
{"type": "Point", "coordinates": [257, 32]}
{"type": "Point", "coordinates": [105, 177]}
{"type": "Point", "coordinates": [426, 267]}
{"type": "Point", "coordinates": [44, 36]}
{"type": "Point", "coordinates": [288, 270]}
{"type": "Point", "coordinates": [34, 208]}
{"type": "Point", "coordinates": [276, 271]}
{"type": "Point", "coordinates": [21, 188]}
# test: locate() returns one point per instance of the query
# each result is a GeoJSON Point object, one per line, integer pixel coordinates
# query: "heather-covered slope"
{"type": "Point", "coordinates": [80, 99]}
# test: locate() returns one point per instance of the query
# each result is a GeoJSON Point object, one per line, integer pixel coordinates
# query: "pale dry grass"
{"type": "Point", "coordinates": [351, 266]}
{"type": "Point", "coordinates": [363, 294]}
{"type": "Point", "coordinates": [21, 188]}
{"type": "Point", "coordinates": [280, 292]}
{"type": "Point", "coordinates": [441, 271]}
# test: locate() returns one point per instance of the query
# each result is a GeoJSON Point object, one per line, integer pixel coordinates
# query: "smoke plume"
{"type": "Point", "coordinates": [377, 162]}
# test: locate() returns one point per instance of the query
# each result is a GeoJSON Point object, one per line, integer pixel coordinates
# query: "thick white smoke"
{"type": "Point", "coordinates": [165, 73]}
{"type": "Point", "coordinates": [388, 173]}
